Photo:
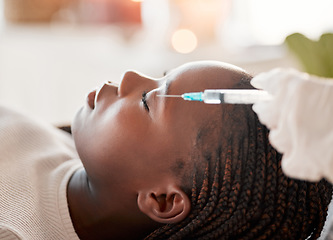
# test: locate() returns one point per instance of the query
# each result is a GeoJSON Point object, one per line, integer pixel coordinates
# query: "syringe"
{"type": "Point", "coordinates": [218, 96]}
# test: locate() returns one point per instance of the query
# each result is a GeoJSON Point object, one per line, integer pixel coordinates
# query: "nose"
{"type": "Point", "coordinates": [133, 82]}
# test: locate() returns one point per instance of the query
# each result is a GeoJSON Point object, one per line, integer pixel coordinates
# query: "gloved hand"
{"type": "Point", "coordinates": [300, 119]}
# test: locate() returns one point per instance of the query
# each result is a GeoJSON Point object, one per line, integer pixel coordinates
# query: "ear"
{"type": "Point", "coordinates": [169, 205]}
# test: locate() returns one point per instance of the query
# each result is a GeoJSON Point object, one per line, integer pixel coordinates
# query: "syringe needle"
{"type": "Point", "coordinates": [169, 96]}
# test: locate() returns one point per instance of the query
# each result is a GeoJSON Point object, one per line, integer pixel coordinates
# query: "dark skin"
{"type": "Point", "coordinates": [128, 187]}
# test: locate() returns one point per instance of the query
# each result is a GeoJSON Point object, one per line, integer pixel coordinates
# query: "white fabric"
{"type": "Point", "coordinates": [300, 118]}
{"type": "Point", "coordinates": [36, 163]}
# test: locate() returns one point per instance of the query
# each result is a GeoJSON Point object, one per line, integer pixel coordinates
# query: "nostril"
{"type": "Point", "coordinates": [112, 84]}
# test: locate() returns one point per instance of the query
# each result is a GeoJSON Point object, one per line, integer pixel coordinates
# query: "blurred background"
{"type": "Point", "coordinates": [53, 52]}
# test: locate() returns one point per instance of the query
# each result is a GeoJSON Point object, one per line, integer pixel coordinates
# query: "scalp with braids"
{"type": "Point", "coordinates": [239, 190]}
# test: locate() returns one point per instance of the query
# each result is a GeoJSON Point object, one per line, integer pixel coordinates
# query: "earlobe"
{"type": "Point", "coordinates": [169, 205]}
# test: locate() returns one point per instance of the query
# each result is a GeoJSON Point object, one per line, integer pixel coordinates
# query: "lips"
{"type": "Point", "coordinates": [91, 99]}
{"type": "Point", "coordinates": [93, 95]}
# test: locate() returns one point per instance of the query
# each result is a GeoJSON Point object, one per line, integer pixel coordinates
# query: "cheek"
{"type": "Point", "coordinates": [115, 142]}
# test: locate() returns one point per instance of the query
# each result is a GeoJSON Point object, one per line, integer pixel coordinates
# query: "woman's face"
{"type": "Point", "coordinates": [135, 144]}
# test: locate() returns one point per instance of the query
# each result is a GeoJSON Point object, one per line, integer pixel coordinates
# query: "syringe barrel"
{"type": "Point", "coordinates": [235, 96]}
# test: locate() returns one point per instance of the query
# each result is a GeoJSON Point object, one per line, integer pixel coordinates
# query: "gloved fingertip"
{"type": "Point", "coordinates": [258, 109]}
{"type": "Point", "coordinates": [270, 80]}
{"type": "Point", "coordinates": [276, 141]}
{"type": "Point", "coordinates": [254, 108]}
{"type": "Point", "coordinates": [265, 116]}
{"type": "Point", "coordinates": [257, 81]}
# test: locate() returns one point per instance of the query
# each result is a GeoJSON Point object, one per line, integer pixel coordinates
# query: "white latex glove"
{"type": "Point", "coordinates": [300, 117]}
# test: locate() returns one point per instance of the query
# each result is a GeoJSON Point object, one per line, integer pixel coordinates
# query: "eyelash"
{"type": "Point", "coordinates": [144, 101]}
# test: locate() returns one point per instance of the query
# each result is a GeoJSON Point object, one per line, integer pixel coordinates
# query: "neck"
{"type": "Point", "coordinates": [96, 216]}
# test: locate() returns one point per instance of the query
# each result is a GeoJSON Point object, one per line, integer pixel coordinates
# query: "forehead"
{"type": "Point", "coordinates": [194, 77]}
{"type": "Point", "coordinates": [205, 74]}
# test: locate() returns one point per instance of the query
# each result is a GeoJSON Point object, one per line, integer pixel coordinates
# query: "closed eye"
{"type": "Point", "coordinates": [144, 101]}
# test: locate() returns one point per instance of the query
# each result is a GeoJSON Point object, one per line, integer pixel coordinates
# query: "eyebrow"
{"type": "Point", "coordinates": [167, 91]}
{"type": "Point", "coordinates": [167, 86]}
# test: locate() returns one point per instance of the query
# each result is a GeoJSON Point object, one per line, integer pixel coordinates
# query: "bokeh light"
{"type": "Point", "coordinates": [184, 41]}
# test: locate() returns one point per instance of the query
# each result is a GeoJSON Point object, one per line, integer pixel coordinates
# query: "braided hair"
{"type": "Point", "coordinates": [238, 190]}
